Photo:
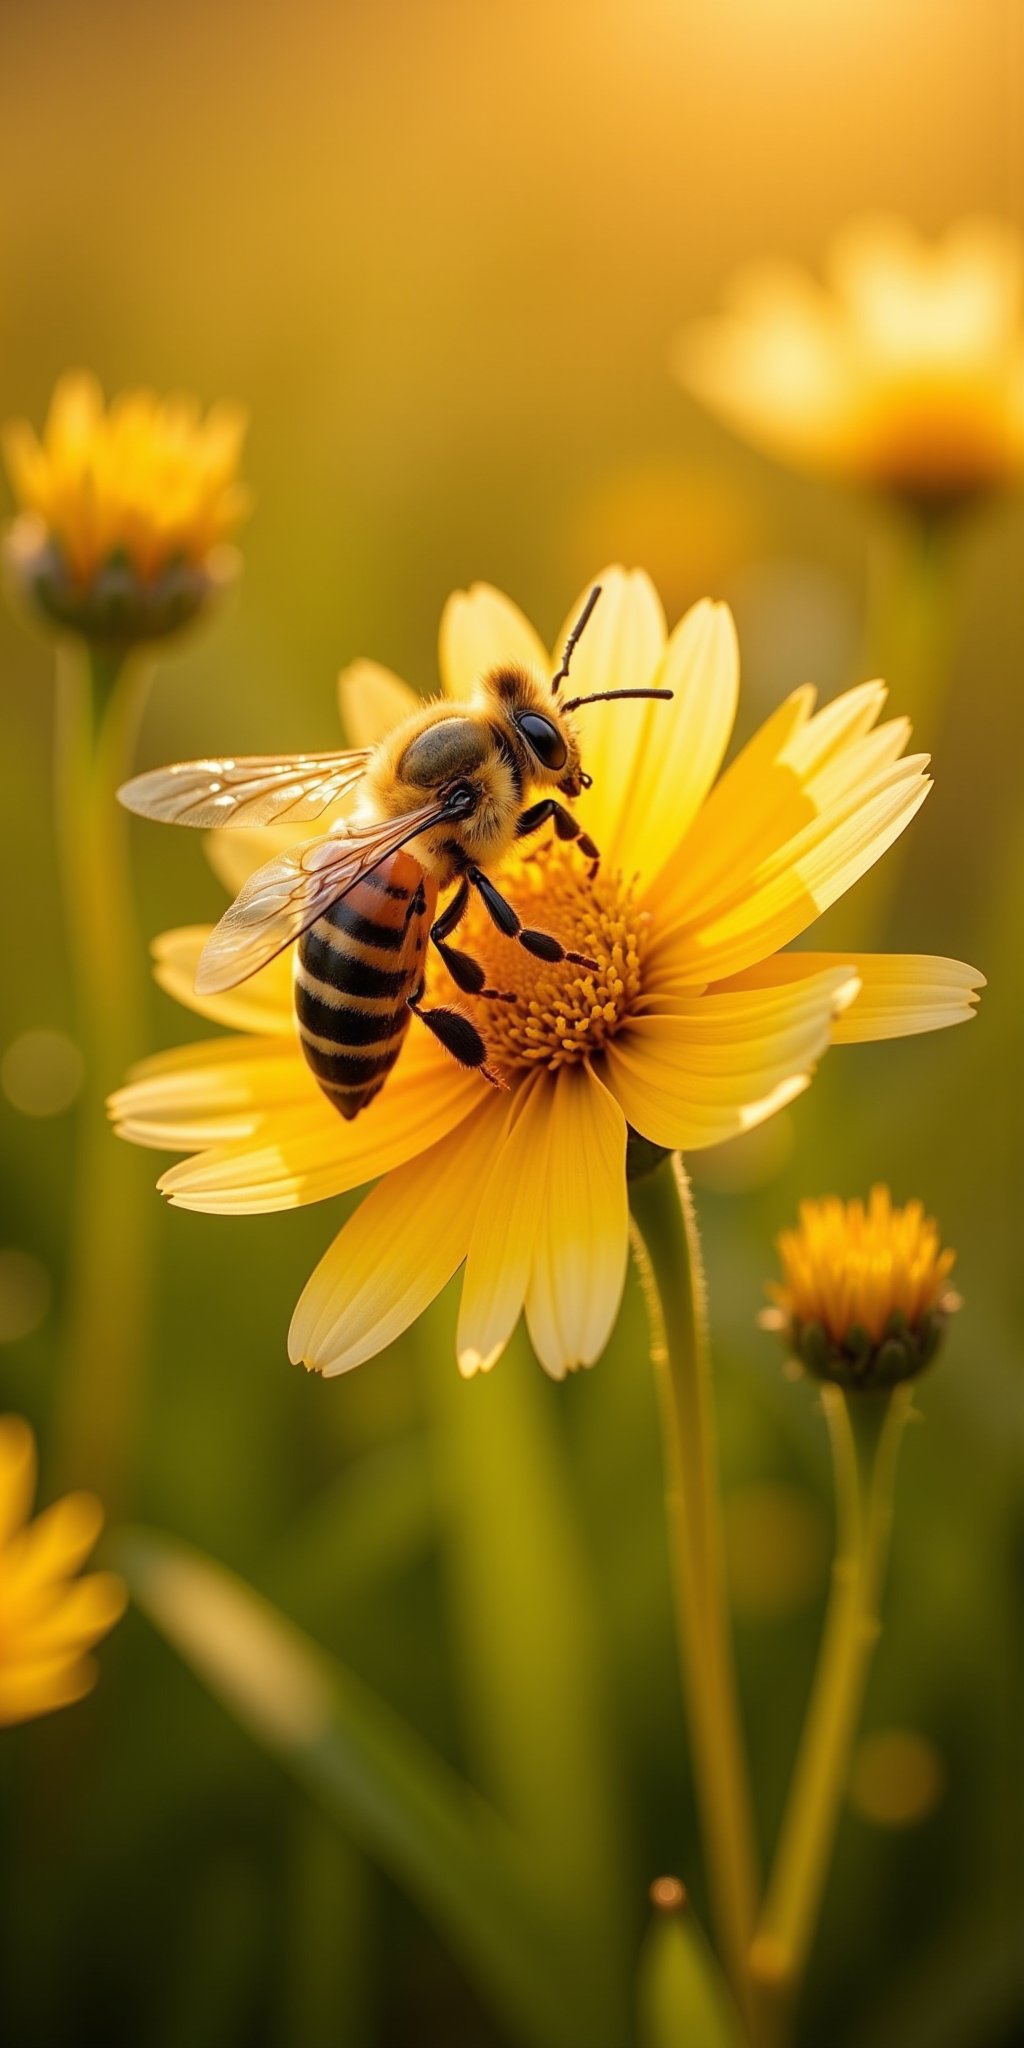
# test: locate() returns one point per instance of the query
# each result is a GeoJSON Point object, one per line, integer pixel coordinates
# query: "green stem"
{"type": "Point", "coordinates": [99, 702]}
{"type": "Point", "coordinates": [667, 1247]}
{"type": "Point", "coordinates": [865, 1436]}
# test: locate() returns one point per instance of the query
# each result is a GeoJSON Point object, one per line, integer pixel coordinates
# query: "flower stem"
{"type": "Point", "coordinates": [667, 1248]}
{"type": "Point", "coordinates": [865, 1435]}
{"type": "Point", "coordinates": [99, 702]}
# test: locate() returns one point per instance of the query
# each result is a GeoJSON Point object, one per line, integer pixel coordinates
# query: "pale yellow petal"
{"type": "Point", "coordinates": [900, 993]}
{"type": "Point", "coordinates": [720, 1063]}
{"type": "Point", "coordinates": [681, 744]}
{"type": "Point", "coordinates": [777, 369]}
{"type": "Point", "coordinates": [294, 1156]}
{"type": "Point", "coordinates": [505, 1227]}
{"type": "Point", "coordinates": [620, 648]}
{"type": "Point", "coordinates": [263, 1004]}
{"type": "Point", "coordinates": [787, 774]}
{"type": "Point", "coordinates": [767, 909]}
{"type": "Point", "coordinates": [582, 1232]}
{"type": "Point", "coordinates": [399, 1249]}
{"type": "Point", "coordinates": [758, 801]}
{"type": "Point", "coordinates": [217, 1091]}
{"type": "Point", "coordinates": [372, 700]}
{"type": "Point", "coordinates": [480, 630]}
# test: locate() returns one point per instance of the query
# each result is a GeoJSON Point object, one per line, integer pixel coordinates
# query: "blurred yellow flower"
{"type": "Point", "coordinates": [125, 510]}
{"type": "Point", "coordinates": [863, 1299]}
{"type": "Point", "coordinates": [692, 1027]}
{"type": "Point", "coordinates": [49, 1620]}
{"type": "Point", "coordinates": [907, 372]}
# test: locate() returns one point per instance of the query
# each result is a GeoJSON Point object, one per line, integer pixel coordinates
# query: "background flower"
{"type": "Point", "coordinates": [905, 371]}
{"type": "Point", "coordinates": [124, 509]}
{"type": "Point", "coordinates": [49, 1618]}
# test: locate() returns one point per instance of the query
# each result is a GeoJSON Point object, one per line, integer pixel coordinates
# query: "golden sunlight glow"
{"type": "Point", "coordinates": [49, 1618]}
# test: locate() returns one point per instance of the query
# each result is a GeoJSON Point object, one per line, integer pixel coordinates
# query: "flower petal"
{"type": "Point", "coordinates": [263, 1004]}
{"type": "Point", "coordinates": [372, 701]}
{"type": "Point", "coordinates": [721, 1062]}
{"type": "Point", "coordinates": [82, 1612]}
{"type": "Point", "coordinates": [304, 1154]}
{"type": "Point", "coordinates": [397, 1252]}
{"type": "Point", "coordinates": [501, 1245]}
{"type": "Point", "coordinates": [38, 1688]}
{"type": "Point", "coordinates": [765, 797]}
{"type": "Point", "coordinates": [17, 1475]}
{"type": "Point", "coordinates": [214, 1092]}
{"type": "Point", "coordinates": [582, 1234]}
{"type": "Point", "coordinates": [680, 745]}
{"type": "Point", "coordinates": [481, 629]}
{"type": "Point", "coordinates": [776, 368]}
{"type": "Point", "coordinates": [765, 910]}
{"type": "Point", "coordinates": [621, 648]}
{"type": "Point", "coordinates": [900, 993]}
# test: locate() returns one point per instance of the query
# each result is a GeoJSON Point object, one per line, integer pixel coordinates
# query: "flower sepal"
{"type": "Point", "coordinates": [116, 607]}
{"type": "Point", "coordinates": [858, 1362]}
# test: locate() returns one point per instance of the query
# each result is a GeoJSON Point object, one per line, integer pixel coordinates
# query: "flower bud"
{"type": "Point", "coordinates": [863, 1300]}
{"type": "Point", "coordinates": [125, 512]}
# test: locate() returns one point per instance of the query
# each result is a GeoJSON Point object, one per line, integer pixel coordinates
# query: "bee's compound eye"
{"type": "Point", "coordinates": [543, 739]}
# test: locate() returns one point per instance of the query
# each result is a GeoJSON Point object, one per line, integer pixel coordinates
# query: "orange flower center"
{"type": "Point", "coordinates": [561, 1011]}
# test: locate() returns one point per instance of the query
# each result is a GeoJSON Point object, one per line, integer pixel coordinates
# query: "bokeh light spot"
{"type": "Point", "coordinates": [898, 1778]}
{"type": "Point", "coordinates": [41, 1073]}
{"type": "Point", "coordinates": [777, 1545]}
{"type": "Point", "coordinates": [24, 1295]}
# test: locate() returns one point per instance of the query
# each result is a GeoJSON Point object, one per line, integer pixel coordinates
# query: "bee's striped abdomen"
{"type": "Point", "coordinates": [357, 967]}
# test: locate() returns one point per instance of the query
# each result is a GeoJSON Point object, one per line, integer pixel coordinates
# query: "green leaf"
{"type": "Point", "coordinates": [398, 1801]}
{"type": "Point", "coordinates": [683, 1999]}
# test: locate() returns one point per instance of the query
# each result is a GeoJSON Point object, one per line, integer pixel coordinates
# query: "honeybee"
{"type": "Point", "coordinates": [440, 802]}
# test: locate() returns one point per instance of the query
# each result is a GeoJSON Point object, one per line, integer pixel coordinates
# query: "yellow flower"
{"type": "Point", "coordinates": [49, 1620]}
{"type": "Point", "coordinates": [125, 511]}
{"type": "Point", "coordinates": [907, 372]}
{"type": "Point", "coordinates": [864, 1298]}
{"type": "Point", "coordinates": [692, 1027]}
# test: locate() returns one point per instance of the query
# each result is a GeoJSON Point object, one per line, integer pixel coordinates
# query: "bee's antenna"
{"type": "Point", "coordinates": [602, 697]}
{"type": "Point", "coordinates": [570, 644]}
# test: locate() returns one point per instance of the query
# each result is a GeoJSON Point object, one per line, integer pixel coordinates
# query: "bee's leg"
{"type": "Point", "coordinates": [566, 827]}
{"type": "Point", "coordinates": [541, 944]}
{"type": "Point", "coordinates": [457, 1035]}
{"type": "Point", "coordinates": [465, 972]}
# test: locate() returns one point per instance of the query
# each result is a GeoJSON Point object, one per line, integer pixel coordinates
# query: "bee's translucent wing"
{"type": "Point", "coordinates": [282, 899]}
{"type": "Point", "coordinates": [259, 789]}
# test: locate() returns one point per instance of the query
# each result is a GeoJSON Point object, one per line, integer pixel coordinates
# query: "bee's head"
{"type": "Point", "coordinates": [541, 718]}
{"type": "Point", "coordinates": [538, 723]}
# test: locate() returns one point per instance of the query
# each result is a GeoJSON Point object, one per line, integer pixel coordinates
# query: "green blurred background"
{"type": "Point", "coordinates": [440, 250]}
